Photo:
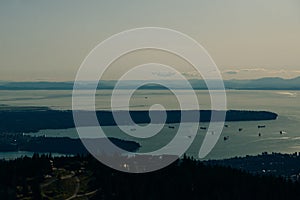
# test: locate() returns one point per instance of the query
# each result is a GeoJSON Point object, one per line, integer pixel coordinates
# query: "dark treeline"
{"type": "Point", "coordinates": [64, 145]}
{"type": "Point", "coordinates": [33, 120]}
{"type": "Point", "coordinates": [184, 179]}
{"type": "Point", "coordinates": [26, 172]}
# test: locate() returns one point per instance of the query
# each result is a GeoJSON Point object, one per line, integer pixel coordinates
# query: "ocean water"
{"type": "Point", "coordinates": [246, 142]}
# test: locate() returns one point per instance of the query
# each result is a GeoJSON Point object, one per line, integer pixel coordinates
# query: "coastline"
{"type": "Point", "coordinates": [24, 120]}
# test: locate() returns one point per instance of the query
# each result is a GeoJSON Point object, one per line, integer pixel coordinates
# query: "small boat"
{"type": "Point", "coordinates": [240, 129]}
{"type": "Point", "coordinates": [226, 138]}
{"type": "Point", "coordinates": [261, 126]}
{"type": "Point", "coordinates": [259, 134]}
{"type": "Point", "coordinates": [226, 125]}
{"type": "Point", "coordinates": [282, 132]}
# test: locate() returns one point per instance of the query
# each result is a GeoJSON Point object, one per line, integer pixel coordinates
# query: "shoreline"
{"type": "Point", "coordinates": [62, 145]}
{"type": "Point", "coordinates": [24, 120]}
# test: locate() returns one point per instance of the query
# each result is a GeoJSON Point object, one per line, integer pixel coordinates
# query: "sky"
{"type": "Point", "coordinates": [48, 40]}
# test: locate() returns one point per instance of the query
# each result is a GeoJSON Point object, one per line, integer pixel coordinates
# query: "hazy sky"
{"type": "Point", "coordinates": [48, 40]}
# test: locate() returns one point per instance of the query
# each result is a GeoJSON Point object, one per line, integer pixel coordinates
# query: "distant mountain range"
{"type": "Point", "coordinates": [265, 84]}
{"type": "Point", "coordinates": [254, 84]}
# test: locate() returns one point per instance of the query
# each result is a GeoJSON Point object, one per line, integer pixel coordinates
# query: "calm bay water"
{"type": "Point", "coordinates": [240, 143]}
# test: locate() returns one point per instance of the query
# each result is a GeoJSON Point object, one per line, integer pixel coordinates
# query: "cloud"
{"type": "Point", "coordinates": [234, 72]}
{"type": "Point", "coordinates": [261, 72]}
{"type": "Point", "coordinates": [164, 74]}
{"type": "Point", "coordinates": [254, 70]}
{"type": "Point", "coordinates": [247, 70]}
{"type": "Point", "coordinates": [231, 72]}
{"type": "Point", "coordinates": [192, 74]}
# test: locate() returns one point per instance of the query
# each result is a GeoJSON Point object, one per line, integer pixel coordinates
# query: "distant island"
{"type": "Point", "coordinates": [26, 120]}
{"type": "Point", "coordinates": [62, 145]}
{"type": "Point", "coordinates": [268, 83]}
{"type": "Point", "coordinates": [15, 121]}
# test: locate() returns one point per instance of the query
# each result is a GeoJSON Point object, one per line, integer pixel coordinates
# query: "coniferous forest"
{"type": "Point", "coordinates": [83, 177]}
